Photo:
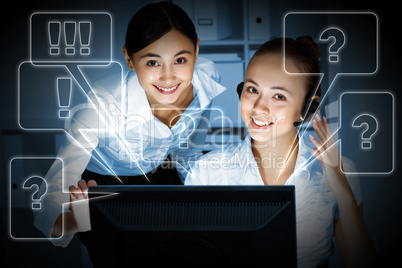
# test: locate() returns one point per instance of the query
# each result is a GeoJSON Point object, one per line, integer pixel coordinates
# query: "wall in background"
{"type": "Point", "coordinates": [382, 204]}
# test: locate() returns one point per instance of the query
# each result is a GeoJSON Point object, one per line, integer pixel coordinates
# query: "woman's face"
{"type": "Point", "coordinates": [165, 68]}
{"type": "Point", "coordinates": [272, 100]}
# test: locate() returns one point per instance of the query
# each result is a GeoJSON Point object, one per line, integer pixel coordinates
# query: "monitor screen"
{"type": "Point", "coordinates": [193, 226]}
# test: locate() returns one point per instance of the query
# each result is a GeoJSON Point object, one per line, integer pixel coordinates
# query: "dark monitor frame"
{"type": "Point", "coordinates": [193, 226]}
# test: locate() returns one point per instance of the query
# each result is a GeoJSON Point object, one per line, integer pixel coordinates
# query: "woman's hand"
{"type": "Point", "coordinates": [325, 151]}
{"type": "Point", "coordinates": [79, 205]}
{"type": "Point", "coordinates": [328, 155]}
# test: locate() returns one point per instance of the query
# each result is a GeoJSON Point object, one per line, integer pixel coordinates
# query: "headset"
{"type": "Point", "coordinates": [309, 109]}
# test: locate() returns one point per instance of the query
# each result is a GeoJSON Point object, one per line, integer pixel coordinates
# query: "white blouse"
{"type": "Point", "coordinates": [112, 137]}
{"type": "Point", "coordinates": [316, 205]}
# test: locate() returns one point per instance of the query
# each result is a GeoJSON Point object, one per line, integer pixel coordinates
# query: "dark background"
{"type": "Point", "coordinates": [382, 194]}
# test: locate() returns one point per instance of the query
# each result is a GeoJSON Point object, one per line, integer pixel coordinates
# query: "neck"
{"type": "Point", "coordinates": [282, 146]}
{"type": "Point", "coordinates": [276, 160]}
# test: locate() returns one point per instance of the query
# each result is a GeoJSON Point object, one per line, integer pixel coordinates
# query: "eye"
{"type": "Point", "coordinates": [252, 90]}
{"type": "Point", "coordinates": [152, 63]}
{"type": "Point", "coordinates": [180, 60]}
{"type": "Point", "coordinates": [280, 97]}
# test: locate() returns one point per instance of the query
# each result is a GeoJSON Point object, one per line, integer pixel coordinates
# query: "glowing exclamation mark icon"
{"type": "Point", "coordinates": [69, 35]}
{"type": "Point", "coordinates": [54, 37]}
{"type": "Point", "coordinates": [64, 93]}
{"type": "Point", "coordinates": [85, 36]}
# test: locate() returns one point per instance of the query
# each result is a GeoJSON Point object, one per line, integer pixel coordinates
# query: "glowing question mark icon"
{"type": "Point", "coordinates": [338, 38]}
{"type": "Point", "coordinates": [372, 127]}
{"type": "Point", "coordinates": [36, 182]}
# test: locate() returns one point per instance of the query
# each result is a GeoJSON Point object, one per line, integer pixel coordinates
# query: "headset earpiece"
{"type": "Point", "coordinates": [311, 110]}
{"type": "Point", "coordinates": [309, 113]}
{"type": "Point", "coordinates": [239, 89]}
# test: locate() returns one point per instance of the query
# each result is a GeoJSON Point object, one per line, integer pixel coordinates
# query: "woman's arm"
{"type": "Point", "coordinates": [339, 235]}
{"type": "Point", "coordinates": [353, 240]}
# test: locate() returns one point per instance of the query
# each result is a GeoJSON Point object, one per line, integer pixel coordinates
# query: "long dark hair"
{"type": "Point", "coordinates": [155, 20]}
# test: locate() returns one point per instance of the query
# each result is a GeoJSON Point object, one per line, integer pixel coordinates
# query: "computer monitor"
{"type": "Point", "coordinates": [193, 226]}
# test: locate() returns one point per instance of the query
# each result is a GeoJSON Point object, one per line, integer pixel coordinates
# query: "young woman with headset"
{"type": "Point", "coordinates": [274, 102]}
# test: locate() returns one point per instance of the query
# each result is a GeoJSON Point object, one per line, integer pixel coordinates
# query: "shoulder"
{"type": "Point", "coordinates": [208, 67]}
{"type": "Point", "coordinates": [206, 81]}
{"type": "Point", "coordinates": [210, 169]}
{"type": "Point", "coordinates": [107, 88]}
{"type": "Point", "coordinates": [227, 153]}
{"type": "Point", "coordinates": [104, 97]}
{"type": "Point", "coordinates": [307, 161]}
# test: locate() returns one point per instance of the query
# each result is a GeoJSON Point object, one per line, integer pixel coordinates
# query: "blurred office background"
{"type": "Point", "coordinates": [230, 32]}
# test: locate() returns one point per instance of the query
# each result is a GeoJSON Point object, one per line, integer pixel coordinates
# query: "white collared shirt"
{"type": "Point", "coordinates": [113, 137]}
{"type": "Point", "coordinates": [316, 205]}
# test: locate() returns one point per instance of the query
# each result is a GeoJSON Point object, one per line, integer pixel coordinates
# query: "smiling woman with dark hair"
{"type": "Point", "coordinates": [166, 88]}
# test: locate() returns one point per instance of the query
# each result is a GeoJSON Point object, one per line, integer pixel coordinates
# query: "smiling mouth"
{"type": "Point", "coordinates": [259, 124]}
{"type": "Point", "coordinates": [167, 90]}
